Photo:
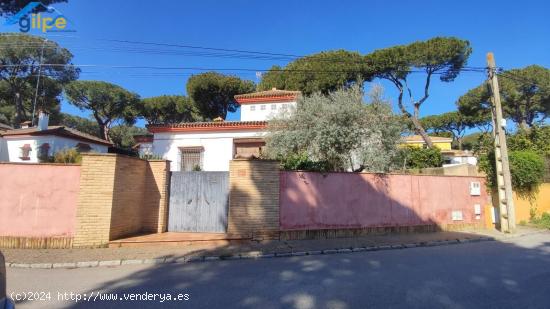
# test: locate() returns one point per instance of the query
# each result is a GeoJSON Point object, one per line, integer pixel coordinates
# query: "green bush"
{"type": "Point", "coordinates": [416, 157]}
{"type": "Point", "coordinates": [302, 162]}
{"type": "Point", "coordinates": [543, 221]}
{"type": "Point", "coordinates": [67, 155]}
{"type": "Point", "coordinates": [527, 169]}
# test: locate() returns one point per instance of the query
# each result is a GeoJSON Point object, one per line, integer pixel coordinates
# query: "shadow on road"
{"type": "Point", "coordinates": [511, 274]}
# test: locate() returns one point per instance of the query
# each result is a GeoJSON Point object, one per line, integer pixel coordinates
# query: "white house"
{"type": "Point", "coordinates": [28, 144]}
{"type": "Point", "coordinates": [209, 146]}
{"type": "Point", "coordinates": [454, 157]}
{"type": "Point", "coordinates": [3, 145]}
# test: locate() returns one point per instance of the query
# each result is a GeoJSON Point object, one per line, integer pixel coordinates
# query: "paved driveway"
{"type": "Point", "coordinates": [500, 274]}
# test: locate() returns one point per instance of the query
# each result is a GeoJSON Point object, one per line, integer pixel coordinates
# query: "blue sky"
{"type": "Point", "coordinates": [516, 31]}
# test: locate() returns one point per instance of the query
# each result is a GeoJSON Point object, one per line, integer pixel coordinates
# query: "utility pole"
{"type": "Point", "coordinates": [38, 81]}
{"type": "Point", "coordinates": [504, 179]}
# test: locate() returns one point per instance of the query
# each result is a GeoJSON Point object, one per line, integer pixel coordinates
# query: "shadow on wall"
{"type": "Point", "coordinates": [492, 274]}
{"type": "Point", "coordinates": [316, 201]}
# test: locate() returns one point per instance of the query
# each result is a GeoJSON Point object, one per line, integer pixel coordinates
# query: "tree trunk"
{"type": "Point", "coordinates": [18, 110]}
{"type": "Point", "coordinates": [420, 130]}
{"type": "Point", "coordinates": [104, 131]}
{"type": "Point", "coordinates": [459, 140]}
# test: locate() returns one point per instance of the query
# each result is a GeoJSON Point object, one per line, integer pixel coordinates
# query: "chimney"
{"type": "Point", "coordinates": [25, 124]}
{"type": "Point", "coordinates": [43, 118]}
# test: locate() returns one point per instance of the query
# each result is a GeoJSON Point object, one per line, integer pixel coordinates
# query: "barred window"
{"type": "Point", "coordinates": [262, 107]}
{"type": "Point", "coordinates": [273, 106]}
{"type": "Point", "coordinates": [25, 152]}
{"type": "Point", "coordinates": [252, 108]}
{"type": "Point", "coordinates": [191, 158]}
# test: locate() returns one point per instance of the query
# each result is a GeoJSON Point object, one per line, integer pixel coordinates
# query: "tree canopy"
{"type": "Point", "coordinates": [169, 109]}
{"type": "Point", "coordinates": [443, 56]}
{"type": "Point", "coordinates": [109, 104]}
{"type": "Point", "coordinates": [322, 72]}
{"type": "Point", "coordinates": [213, 93]}
{"type": "Point", "coordinates": [455, 123]}
{"type": "Point", "coordinates": [20, 57]}
{"type": "Point", "coordinates": [338, 129]}
{"type": "Point", "coordinates": [11, 7]}
{"type": "Point", "coordinates": [524, 95]}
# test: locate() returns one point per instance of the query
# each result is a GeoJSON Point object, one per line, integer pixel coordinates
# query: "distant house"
{"type": "Point", "coordinates": [3, 144]}
{"type": "Point", "coordinates": [454, 157]}
{"type": "Point", "coordinates": [450, 156]}
{"type": "Point", "coordinates": [209, 146]}
{"type": "Point", "coordinates": [28, 144]}
{"type": "Point", "coordinates": [443, 143]}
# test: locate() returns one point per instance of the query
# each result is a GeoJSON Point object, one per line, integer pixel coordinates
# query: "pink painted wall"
{"type": "Point", "coordinates": [350, 200]}
{"type": "Point", "coordinates": [38, 200]}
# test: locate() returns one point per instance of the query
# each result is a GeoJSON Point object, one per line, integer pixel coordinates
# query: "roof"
{"type": "Point", "coordinates": [272, 95]}
{"type": "Point", "coordinates": [5, 127]}
{"type": "Point", "coordinates": [208, 126]}
{"type": "Point", "coordinates": [419, 139]}
{"type": "Point", "coordinates": [147, 138]}
{"type": "Point", "coordinates": [458, 153]}
{"type": "Point", "coordinates": [59, 131]}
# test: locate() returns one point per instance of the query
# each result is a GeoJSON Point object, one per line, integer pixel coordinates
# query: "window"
{"type": "Point", "coordinates": [285, 106]}
{"type": "Point", "coordinates": [262, 107]}
{"type": "Point", "coordinates": [83, 147]}
{"type": "Point", "coordinates": [252, 108]}
{"type": "Point", "coordinates": [25, 152]}
{"type": "Point", "coordinates": [273, 107]}
{"type": "Point", "coordinates": [191, 158]}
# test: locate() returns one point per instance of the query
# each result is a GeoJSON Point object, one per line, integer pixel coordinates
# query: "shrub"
{"type": "Point", "coordinates": [527, 169]}
{"type": "Point", "coordinates": [302, 162]}
{"type": "Point", "coordinates": [67, 155]}
{"type": "Point", "coordinates": [543, 221]}
{"type": "Point", "coordinates": [416, 157]}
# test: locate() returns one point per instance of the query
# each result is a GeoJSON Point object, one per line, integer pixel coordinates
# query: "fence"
{"type": "Point", "coordinates": [107, 197]}
{"type": "Point", "coordinates": [311, 201]}
{"type": "Point", "coordinates": [38, 204]}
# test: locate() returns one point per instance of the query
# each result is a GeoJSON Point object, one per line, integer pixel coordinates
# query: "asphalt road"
{"type": "Point", "coordinates": [498, 274]}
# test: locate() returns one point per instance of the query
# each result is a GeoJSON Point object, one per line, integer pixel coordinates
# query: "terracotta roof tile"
{"type": "Point", "coordinates": [59, 131]}
{"type": "Point", "coordinates": [418, 138]}
{"type": "Point", "coordinates": [208, 126]}
{"type": "Point", "coordinates": [268, 95]}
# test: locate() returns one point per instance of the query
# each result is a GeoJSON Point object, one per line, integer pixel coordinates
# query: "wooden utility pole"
{"type": "Point", "coordinates": [504, 179]}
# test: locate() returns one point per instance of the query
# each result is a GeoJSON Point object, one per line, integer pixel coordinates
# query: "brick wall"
{"type": "Point", "coordinates": [129, 199]}
{"type": "Point", "coordinates": [119, 196]}
{"type": "Point", "coordinates": [155, 215]}
{"type": "Point", "coordinates": [253, 197]}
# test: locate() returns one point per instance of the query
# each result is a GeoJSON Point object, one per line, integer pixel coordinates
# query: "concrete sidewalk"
{"type": "Point", "coordinates": [69, 258]}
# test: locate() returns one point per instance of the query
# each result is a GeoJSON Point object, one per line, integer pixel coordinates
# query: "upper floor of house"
{"type": "Point", "coordinates": [263, 105]}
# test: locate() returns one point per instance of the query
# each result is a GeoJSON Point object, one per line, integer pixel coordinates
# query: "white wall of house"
{"type": "Point", "coordinates": [264, 111]}
{"type": "Point", "coordinates": [218, 147]}
{"type": "Point", "coordinates": [14, 144]}
{"type": "Point", "coordinates": [4, 155]}
{"type": "Point", "coordinates": [145, 149]}
{"type": "Point", "coordinates": [461, 160]}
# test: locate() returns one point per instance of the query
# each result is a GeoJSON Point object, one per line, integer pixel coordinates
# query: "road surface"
{"type": "Point", "coordinates": [499, 274]}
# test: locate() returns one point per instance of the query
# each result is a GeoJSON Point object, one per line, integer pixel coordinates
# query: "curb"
{"type": "Point", "coordinates": [240, 256]}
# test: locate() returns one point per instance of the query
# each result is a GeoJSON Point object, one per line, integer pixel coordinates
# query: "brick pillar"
{"type": "Point", "coordinates": [93, 213]}
{"type": "Point", "coordinates": [155, 218]}
{"type": "Point", "coordinates": [253, 197]}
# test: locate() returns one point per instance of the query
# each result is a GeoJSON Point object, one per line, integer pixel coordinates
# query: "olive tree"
{"type": "Point", "coordinates": [339, 129]}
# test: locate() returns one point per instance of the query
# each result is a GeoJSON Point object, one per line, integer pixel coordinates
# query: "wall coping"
{"type": "Point", "coordinates": [95, 154]}
{"type": "Point", "coordinates": [388, 174]}
{"type": "Point", "coordinates": [34, 163]}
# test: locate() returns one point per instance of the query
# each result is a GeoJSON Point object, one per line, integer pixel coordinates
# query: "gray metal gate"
{"type": "Point", "coordinates": [198, 202]}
